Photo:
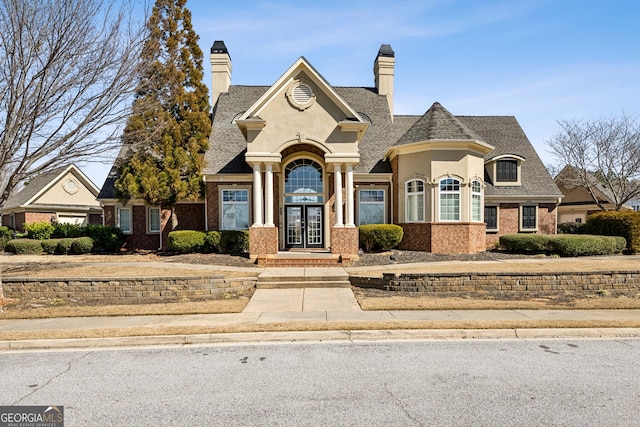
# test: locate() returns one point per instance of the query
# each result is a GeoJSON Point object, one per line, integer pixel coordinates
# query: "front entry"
{"type": "Point", "coordinates": [303, 225]}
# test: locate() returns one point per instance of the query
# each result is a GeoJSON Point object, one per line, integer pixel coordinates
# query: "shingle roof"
{"type": "Point", "coordinates": [436, 124]}
{"type": "Point", "coordinates": [34, 186]}
{"type": "Point", "coordinates": [227, 146]}
{"type": "Point", "coordinates": [507, 137]}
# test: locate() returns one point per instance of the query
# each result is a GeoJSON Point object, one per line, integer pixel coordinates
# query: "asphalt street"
{"type": "Point", "coordinates": [528, 382]}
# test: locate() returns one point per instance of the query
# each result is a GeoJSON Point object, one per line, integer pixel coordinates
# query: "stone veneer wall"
{"type": "Point", "coordinates": [344, 240]}
{"type": "Point", "coordinates": [502, 282]}
{"type": "Point", "coordinates": [125, 290]}
{"type": "Point", "coordinates": [263, 241]}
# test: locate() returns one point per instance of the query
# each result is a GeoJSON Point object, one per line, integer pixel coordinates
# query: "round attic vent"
{"type": "Point", "coordinates": [71, 186]}
{"type": "Point", "coordinates": [301, 95]}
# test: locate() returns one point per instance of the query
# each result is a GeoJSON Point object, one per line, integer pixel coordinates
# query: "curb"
{"type": "Point", "coordinates": [359, 336]}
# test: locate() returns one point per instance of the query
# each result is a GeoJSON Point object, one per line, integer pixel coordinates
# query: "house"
{"type": "Point", "coordinates": [578, 202]}
{"type": "Point", "coordinates": [302, 163]}
{"type": "Point", "coordinates": [63, 195]}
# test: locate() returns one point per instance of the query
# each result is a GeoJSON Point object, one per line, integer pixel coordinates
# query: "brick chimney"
{"type": "Point", "coordinates": [220, 70]}
{"type": "Point", "coordinates": [383, 70]}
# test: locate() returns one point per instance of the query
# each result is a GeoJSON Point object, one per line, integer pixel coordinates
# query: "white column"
{"type": "Point", "coordinates": [268, 195]}
{"type": "Point", "coordinates": [350, 216]}
{"type": "Point", "coordinates": [337, 186]}
{"type": "Point", "coordinates": [257, 196]}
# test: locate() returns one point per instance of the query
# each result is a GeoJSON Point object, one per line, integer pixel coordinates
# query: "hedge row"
{"type": "Point", "coordinates": [380, 236]}
{"type": "Point", "coordinates": [59, 238]}
{"type": "Point", "coordinates": [563, 244]}
{"type": "Point", "coordinates": [79, 245]}
{"type": "Point", "coordinates": [226, 241]}
{"type": "Point", "coordinates": [613, 223]}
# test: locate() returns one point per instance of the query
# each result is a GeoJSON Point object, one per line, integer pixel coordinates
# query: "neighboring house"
{"type": "Point", "coordinates": [63, 195]}
{"type": "Point", "coordinates": [278, 153]}
{"type": "Point", "coordinates": [578, 203]}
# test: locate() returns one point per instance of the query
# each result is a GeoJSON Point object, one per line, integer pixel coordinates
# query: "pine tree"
{"type": "Point", "coordinates": [167, 134]}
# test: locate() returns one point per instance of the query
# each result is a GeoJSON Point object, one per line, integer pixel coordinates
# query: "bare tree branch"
{"type": "Point", "coordinates": [605, 153]}
{"type": "Point", "coordinates": [68, 70]}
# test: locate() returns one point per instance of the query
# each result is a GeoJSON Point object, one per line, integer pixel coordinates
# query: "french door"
{"type": "Point", "coordinates": [304, 227]}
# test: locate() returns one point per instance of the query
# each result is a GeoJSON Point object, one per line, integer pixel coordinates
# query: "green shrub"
{"type": "Point", "coordinates": [212, 242]}
{"type": "Point", "coordinates": [234, 241]}
{"type": "Point", "coordinates": [614, 223]}
{"type": "Point", "coordinates": [49, 246]}
{"type": "Point", "coordinates": [587, 245]}
{"type": "Point", "coordinates": [105, 238]}
{"type": "Point", "coordinates": [64, 246]}
{"type": "Point", "coordinates": [572, 228]}
{"type": "Point", "coordinates": [81, 245]}
{"type": "Point", "coordinates": [186, 241]}
{"type": "Point", "coordinates": [525, 243]}
{"type": "Point", "coordinates": [24, 247]}
{"type": "Point", "coordinates": [39, 230]}
{"type": "Point", "coordinates": [380, 236]}
{"type": "Point", "coordinates": [61, 230]}
{"type": "Point", "coordinates": [5, 235]}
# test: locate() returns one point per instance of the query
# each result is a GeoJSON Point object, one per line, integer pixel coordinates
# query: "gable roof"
{"type": "Point", "coordinates": [43, 182]}
{"type": "Point", "coordinates": [227, 145]}
{"type": "Point", "coordinates": [566, 178]}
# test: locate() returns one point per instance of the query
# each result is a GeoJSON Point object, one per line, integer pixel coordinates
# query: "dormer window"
{"type": "Point", "coordinates": [507, 170]}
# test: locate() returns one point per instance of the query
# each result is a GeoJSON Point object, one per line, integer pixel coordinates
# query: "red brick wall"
{"type": "Point", "coordinates": [263, 241]}
{"type": "Point", "coordinates": [190, 216]}
{"type": "Point", "coordinates": [31, 217]}
{"type": "Point", "coordinates": [344, 240]}
{"type": "Point", "coordinates": [547, 218]}
{"type": "Point", "coordinates": [509, 221]}
{"type": "Point", "coordinates": [458, 238]}
{"type": "Point", "coordinates": [213, 206]}
{"type": "Point", "coordinates": [416, 237]}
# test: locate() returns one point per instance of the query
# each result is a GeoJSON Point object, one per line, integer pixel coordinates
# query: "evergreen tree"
{"type": "Point", "coordinates": [167, 134]}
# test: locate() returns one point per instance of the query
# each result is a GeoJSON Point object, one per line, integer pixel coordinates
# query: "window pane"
{"type": "Point", "coordinates": [507, 170]}
{"type": "Point", "coordinates": [450, 207]}
{"type": "Point", "coordinates": [415, 207]}
{"type": "Point", "coordinates": [154, 219]}
{"type": "Point", "coordinates": [124, 220]}
{"type": "Point", "coordinates": [235, 209]}
{"type": "Point", "coordinates": [371, 207]}
{"type": "Point", "coordinates": [528, 217]}
{"type": "Point", "coordinates": [491, 217]}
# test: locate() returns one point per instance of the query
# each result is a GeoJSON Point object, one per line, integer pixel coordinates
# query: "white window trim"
{"type": "Point", "coordinates": [221, 202]}
{"type": "Point", "coordinates": [521, 219]}
{"type": "Point", "coordinates": [472, 193]}
{"type": "Point", "coordinates": [120, 209]}
{"type": "Point", "coordinates": [459, 193]}
{"type": "Point", "coordinates": [149, 230]}
{"type": "Point", "coordinates": [492, 230]}
{"type": "Point", "coordinates": [384, 201]}
{"type": "Point", "coordinates": [406, 200]}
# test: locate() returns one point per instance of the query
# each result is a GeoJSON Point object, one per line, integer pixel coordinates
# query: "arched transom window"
{"type": "Point", "coordinates": [303, 182]}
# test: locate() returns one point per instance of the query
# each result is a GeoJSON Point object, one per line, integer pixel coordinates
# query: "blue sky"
{"type": "Point", "coordinates": [538, 60]}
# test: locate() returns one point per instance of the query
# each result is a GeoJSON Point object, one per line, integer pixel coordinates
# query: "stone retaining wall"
{"type": "Point", "coordinates": [502, 282]}
{"type": "Point", "coordinates": [124, 290]}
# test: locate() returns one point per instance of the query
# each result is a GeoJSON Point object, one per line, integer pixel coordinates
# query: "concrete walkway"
{"type": "Point", "coordinates": [314, 305]}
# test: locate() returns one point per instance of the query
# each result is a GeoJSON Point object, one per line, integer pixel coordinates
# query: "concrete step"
{"type": "Point", "coordinates": [303, 259]}
{"type": "Point", "coordinates": [302, 284]}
